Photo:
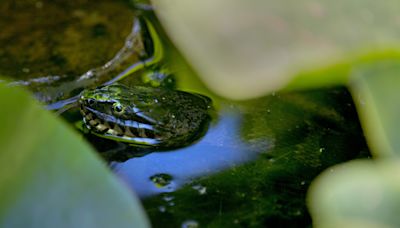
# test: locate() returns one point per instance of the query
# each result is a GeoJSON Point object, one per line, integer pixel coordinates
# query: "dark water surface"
{"type": "Point", "coordinates": [253, 168]}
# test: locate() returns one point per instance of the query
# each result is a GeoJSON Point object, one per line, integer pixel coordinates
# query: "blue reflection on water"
{"type": "Point", "coordinates": [221, 148]}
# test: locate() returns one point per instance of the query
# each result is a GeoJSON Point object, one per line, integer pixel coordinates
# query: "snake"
{"type": "Point", "coordinates": [145, 116]}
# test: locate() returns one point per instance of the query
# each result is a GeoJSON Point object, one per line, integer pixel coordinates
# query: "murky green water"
{"type": "Point", "coordinates": [253, 166]}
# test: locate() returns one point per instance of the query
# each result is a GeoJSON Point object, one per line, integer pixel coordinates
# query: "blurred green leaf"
{"type": "Point", "coordinates": [340, 72]}
{"type": "Point", "coordinates": [375, 89]}
{"type": "Point", "coordinates": [243, 49]}
{"type": "Point", "coordinates": [357, 194]}
{"type": "Point", "coordinates": [51, 178]}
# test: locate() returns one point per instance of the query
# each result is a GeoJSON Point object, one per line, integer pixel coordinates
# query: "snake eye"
{"type": "Point", "coordinates": [118, 108]}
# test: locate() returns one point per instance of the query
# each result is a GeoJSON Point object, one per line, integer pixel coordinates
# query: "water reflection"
{"type": "Point", "coordinates": [221, 148]}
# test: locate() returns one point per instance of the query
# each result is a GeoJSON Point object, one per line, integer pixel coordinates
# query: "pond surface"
{"type": "Point", "coordinates": [252, 167]}
{"type": "Point", "coordinates": [220, 149]}
{"type": "Point", "coordinates": [283, 142]}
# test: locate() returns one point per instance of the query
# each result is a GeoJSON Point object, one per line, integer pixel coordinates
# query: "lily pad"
{"type": "Point", "coordinates": [51, 178]}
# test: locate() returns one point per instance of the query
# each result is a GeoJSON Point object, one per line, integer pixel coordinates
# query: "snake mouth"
{"type": "Point", "coordinates": [124, 129]}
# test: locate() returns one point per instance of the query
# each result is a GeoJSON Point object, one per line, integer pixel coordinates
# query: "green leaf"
{"type": "Point", "coordinates": [375, 89]}
{"type": "Point", "coordinates": [339, 73]}
{"type": "Point", "coordinates": [242, 49]}
{"type": "Point", "coordinates": [357, 194]}
{"type": "Point", "coordinates": [49, 177]}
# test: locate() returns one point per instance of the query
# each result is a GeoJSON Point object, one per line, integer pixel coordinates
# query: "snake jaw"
{"type": "Point", "coordinates": [128, 130]}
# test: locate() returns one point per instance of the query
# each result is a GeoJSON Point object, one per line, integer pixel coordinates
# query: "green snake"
{"type": "Point", "coordinates": [145, 116]}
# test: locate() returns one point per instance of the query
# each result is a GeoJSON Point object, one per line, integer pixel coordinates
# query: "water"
{"type": "Point", "coordinates": [220, 149]}
{"type": "Point", "coordinates": [254, 165]}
